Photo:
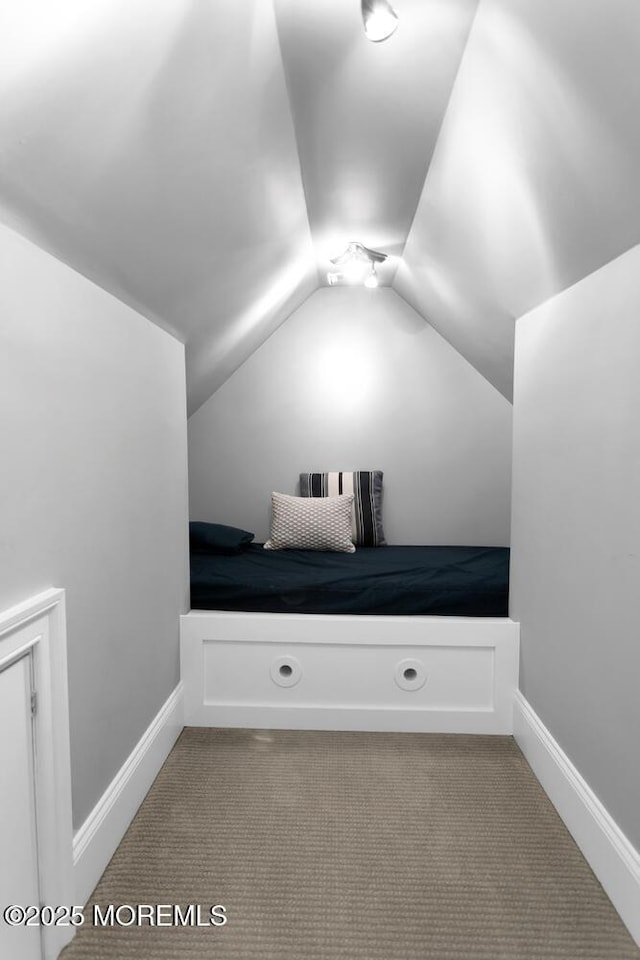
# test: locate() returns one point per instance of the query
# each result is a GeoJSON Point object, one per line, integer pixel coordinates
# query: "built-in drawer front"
{"type": "Point", "coordinates": [251, 673]}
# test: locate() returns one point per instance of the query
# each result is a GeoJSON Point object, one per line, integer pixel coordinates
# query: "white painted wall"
{"type": "Point", "coordinates": [355, 379]}
{"type": "Point", "coordinates": [534, 180]}
{"type": "Point", "coordinates": [575, 582]}
{"type": "Point", "coordinates": [150, 146]}
{"type": "Point", "coordinates": [93, 495]}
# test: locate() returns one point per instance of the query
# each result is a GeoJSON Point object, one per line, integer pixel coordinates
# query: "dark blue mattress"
{"type": "Point", "coordinates": [437, 581]}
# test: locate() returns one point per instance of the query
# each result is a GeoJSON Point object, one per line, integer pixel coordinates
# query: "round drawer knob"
{"type": "Point", "coordinates": [286, 671]}
{"type": "Point", "coordinates": [410, 674]}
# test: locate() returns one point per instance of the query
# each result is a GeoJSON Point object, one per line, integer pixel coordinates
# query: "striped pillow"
{"type": "Point", "coordinates": [366, 487]}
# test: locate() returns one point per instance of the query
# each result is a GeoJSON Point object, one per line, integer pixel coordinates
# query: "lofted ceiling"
{"type": "Point", "coordinates": [203, 159]}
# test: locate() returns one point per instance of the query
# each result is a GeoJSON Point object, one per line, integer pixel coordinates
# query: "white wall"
{"type": "Point", "coordinates": [150, 146]}
{"type": "Point", "coordinates": [355, 379]}
{"type": "Point", "coordinates": [534, 180]}
{"type": "Point", "coordinates": [93, 495]}
{"type": "Point", "coordinates": [575, 582]}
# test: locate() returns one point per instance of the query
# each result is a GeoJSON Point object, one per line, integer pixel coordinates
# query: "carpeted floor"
{"type": "Point", "coordinates": [350, 846]}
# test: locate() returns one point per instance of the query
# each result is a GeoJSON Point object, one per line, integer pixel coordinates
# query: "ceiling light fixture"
{"type": "Point", "coordinates": [358, 265]}
{"type": "Point", "coordinates": [371, 280]}
{"type": "Point", "coordinates": [380, 20]}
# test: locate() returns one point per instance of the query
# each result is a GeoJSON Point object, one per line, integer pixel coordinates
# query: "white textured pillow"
{"type": "Point", "coordinates": [311, 523]}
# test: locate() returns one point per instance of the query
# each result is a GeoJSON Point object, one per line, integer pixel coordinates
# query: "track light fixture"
{"type": "Point", "coordinates": [358, 265]}
{"type": "Point", "coordinates": [380, 20]}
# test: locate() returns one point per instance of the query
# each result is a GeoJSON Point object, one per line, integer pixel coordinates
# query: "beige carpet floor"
{"type": "Point", "coordinates": [353, 846]}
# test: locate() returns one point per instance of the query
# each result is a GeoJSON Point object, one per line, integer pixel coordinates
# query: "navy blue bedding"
{"type": "Point", "coordinates": [437, 581]}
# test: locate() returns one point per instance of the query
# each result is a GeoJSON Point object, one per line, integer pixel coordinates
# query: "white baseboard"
{"type": "Point", "coordinates": [615, 862]}
{"type": "Point", "coordinates": [95, 842]}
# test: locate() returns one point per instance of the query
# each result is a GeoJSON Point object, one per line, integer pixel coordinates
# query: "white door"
{"type": "Point", "coordinates": [18, 837]}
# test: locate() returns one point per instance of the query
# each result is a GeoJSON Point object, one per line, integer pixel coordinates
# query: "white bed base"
{"type": "Point", "coordinates": [312, 672]}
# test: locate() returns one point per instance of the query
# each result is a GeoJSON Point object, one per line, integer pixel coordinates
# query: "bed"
{"type": "Point", "coordinates": [386, 638]}
{"type": "Point", "coordinates": [392, 580]}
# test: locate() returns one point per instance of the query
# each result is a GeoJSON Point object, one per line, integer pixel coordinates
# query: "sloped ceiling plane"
{"type": "Point", "coordinates": [203, 160]}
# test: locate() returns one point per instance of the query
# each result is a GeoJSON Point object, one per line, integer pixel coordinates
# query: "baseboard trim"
{"type": "Point", "coordinates": [385, 719]}
{"type": "Point", "coordinates": [613, 859]}
{"type": "Point", "coordinates": [95, 842]}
